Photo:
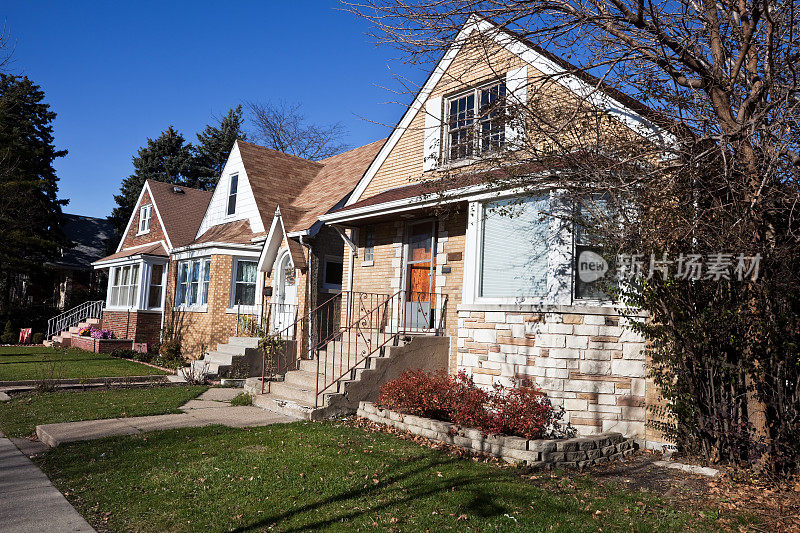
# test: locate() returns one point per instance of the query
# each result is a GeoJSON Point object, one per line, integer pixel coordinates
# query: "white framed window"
{"type": "Point", "coordinates": [245, 273]}
{"type": "Point", "coordinates": [155, 289]}
{"type": "Point", "coordinates": [476, 121]}
{"type": "Point", "coordinates": [514, 249]}
{"type": "Point", "coordinates": [369, 244]}
{"type": "Point", "coordinates": [124, 286]}
{"type": "Point", "coordinates": [233, 188]}
{"type": "Point", "coordinates": [145, 213]}
{"type": "Point", "coordinates": [191, 287]}
{"type": "Point", "coordinates": [332, 271]}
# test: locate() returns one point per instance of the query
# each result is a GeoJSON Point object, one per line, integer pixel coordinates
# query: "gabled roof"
{"type": "Point", "coordinates": [334, 182]}
{"type": "Point", "coordinates": [180, 212]}
{"type": "Point", "coordinates": [622, 107]}
{"type": "Point", "coordinates": [275, 178]}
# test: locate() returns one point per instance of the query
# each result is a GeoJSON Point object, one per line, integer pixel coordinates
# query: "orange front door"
{"type": "Point", "coordinates": [420, 281]}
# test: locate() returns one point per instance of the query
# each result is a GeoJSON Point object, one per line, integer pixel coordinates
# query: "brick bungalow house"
{"type": "Point", "coordinates": [165, 217]}
{"type": "Point", "coordinates": [510, 306]}
{"type": "Point", "coordinates": [260, 251]}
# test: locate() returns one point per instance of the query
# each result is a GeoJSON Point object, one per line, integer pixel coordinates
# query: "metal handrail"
{"type": "Point", "coordinates": [74, 316]}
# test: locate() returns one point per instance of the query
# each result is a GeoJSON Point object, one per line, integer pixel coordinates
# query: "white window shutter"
{"type": "Point", "coordinates": [433, 133]}
{"type": "Point", "coordinates": [516, 99]}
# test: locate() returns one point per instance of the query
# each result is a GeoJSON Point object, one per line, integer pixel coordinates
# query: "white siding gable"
{"type": "Point", "coordinates": [246, 208]}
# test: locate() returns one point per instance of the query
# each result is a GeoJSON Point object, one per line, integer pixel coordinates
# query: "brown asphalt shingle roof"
{"type": "Point", "coordinates": [302, 189]}
{"type": "Point", "coordinates": [181, 213]}
{"type": "Point", "coordinates": [237, 232]}
{"type": "Point", "coordinates": [156, 249]}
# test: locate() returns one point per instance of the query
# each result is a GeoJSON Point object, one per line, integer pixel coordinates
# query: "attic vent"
{"type": "Point", "coordinates": [178, 190]}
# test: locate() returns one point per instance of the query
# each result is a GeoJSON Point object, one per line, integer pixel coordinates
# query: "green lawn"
{"type": "Point", "coordinates": [305, 476]}
{"type": "Point", "coordinates": [20, 416]}
{"type": "Point", "coordinates": [37, 362]}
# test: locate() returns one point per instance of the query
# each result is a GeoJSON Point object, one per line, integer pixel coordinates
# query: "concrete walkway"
{"type": "Point", "coordinates": [211, 407]}
{"type": "Point", "coordinates": [28, 501]}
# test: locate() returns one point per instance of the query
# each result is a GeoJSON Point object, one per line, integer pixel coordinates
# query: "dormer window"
{"type": "Point", "coordinates": [476, 121]}
{"type": "Point", "coordinates": [234, 187]}
{"type": "Point", "coordinates": [144, 218]}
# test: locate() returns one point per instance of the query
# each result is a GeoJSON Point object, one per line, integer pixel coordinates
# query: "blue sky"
{"type": "Point", "coordinates": [117, 73]}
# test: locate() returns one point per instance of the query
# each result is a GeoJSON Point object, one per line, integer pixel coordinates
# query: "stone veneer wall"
{"type": "Point", "coordinates": [140, 326]}
{"type": "Point", "coordinates": [579, 452]}
{"type": "Point", "coordinates": [585, 360]}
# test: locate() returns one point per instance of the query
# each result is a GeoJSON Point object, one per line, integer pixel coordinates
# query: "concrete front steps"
{"type": "Point", "coordinates": [64, 339]}
{"type": "Point", "coordinates": [220, 362]}
{"type": "Point", "coordinates": [295, 394]}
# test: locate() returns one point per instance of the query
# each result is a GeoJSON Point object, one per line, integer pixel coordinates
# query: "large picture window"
{"type": "Point", "coordinates": [244, 283]}
{"type": "Point", "coordinates": [514, 249]}
{"type": "Point", "coordinates": [476, 121]}
{"type": "Point", "coordinates": [124, 286]}
{"type": "Point", "coordinates": [191, 289]}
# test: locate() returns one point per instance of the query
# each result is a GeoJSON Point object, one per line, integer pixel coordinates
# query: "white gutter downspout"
{"type": "Point", "coordinates": [164, 300]}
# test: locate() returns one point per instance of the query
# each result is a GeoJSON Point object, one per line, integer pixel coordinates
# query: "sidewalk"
{"type": "Point", "coordinates": [28, 501]}
{"type": "Point", "coordinates": [211, 407]}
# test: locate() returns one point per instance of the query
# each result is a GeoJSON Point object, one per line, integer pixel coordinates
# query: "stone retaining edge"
{"type": "Point", "coordinates": [579, 452]}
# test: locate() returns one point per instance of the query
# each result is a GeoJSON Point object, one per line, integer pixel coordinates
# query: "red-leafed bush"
{"type": "Point", "coordinates": [520, 411]}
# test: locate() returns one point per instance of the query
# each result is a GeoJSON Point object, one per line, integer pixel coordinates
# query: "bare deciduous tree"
{"type": "Point", "coordinates": [718, 174]}
{"type": "Point", "coordinates": [283, 127]}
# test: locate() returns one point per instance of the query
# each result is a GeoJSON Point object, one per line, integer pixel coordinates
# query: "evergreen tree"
{"type": "Point", "coordinates": [213, 146]}
{"type": "Point", "coordinates": [30, 211]}
{"type": "Point", "coordinates": [166, 158]}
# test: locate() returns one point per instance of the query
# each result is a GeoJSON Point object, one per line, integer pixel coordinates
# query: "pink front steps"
{"type": "Point", "coordinates": [64, 339]}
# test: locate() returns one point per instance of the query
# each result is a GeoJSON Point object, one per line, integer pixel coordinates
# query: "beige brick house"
{"type": "Point", "coordinates": [502, 289]}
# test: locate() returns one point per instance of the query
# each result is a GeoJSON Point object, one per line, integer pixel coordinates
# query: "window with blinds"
{"type": "Point", "coordinates": [514, 248]}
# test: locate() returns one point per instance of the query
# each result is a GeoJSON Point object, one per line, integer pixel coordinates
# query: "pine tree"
{"type": "Point", "coordinates": [166, 158]}
{"type": "Point", "coordinates": [213, 146]}
{"type": "Point", "coordinates": [30, 211]}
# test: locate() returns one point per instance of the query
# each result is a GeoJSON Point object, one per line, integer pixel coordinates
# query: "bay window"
{"type": "Point", "coordinates": [124, 286]}
{"type": "Point", "coordinates": [156, 287]}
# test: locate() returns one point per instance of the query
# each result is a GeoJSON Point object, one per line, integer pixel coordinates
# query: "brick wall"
{"type": "Point", "coordinates": [156, 232]}
{"type": "Point", "coordinates": [141, 326]}
{"type": "Point", "coordinates": [203, 329]}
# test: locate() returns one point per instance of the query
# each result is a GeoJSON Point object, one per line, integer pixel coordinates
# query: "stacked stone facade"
{"type": "Point", "coordinates": [584, 359]}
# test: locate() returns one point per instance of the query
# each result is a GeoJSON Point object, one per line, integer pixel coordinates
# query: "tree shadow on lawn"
{"type": "Point", "coordinates": [483, 504]}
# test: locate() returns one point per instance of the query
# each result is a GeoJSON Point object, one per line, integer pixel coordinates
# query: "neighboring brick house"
{"type": "Point", "coordinates": [165, 217]}
{"type": "Point", "coordinates": [510, 305]}
{"type": "Point", "coordinates": [263, 213]}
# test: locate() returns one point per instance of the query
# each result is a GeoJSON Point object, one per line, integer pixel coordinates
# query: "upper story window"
{"type": "Point", "coordinates": [232, 190]}
{"type": "Point", "coordinates": [144, 218]}
{"type": "Point", "coordinates": [476, 121]}
{"type": "Point", "coordinates": [369, 244]}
